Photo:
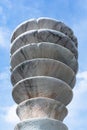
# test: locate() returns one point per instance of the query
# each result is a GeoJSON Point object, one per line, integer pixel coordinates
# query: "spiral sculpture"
{"type": "Point", "coordinates": [43, 73]}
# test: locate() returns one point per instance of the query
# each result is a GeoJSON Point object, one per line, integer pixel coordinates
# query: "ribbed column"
{"type": "Point", "coordinates": [43, 72]}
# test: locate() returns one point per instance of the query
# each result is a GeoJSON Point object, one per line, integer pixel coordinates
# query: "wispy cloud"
{"type": "Point", "coordinates": [7, 109]}
{"type": "Point", "coordinates": [78, 108]}
{"type": "Point", "coordinates": [10, 116]}
{"type": "Point", "coordinates": [5, 75]}
{"type": "Point", "coordinates": [2, 16]}
{"type": "Point", "coordinates": [5, 7]}
{"type": "Point", "coordinates": [4, 37]}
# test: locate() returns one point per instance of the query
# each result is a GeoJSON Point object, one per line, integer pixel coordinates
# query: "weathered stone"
{"type": "Point", "coordinates": [41, 107]}
{"type": "Point", "coordinates": [44, 35]}
{"type": "Point", "coordinates": [44, 50]}
{"type": "Point", "coordinates": [44, 23]}
{"type": "Point", "coordinates": [43, 67]}
{"type": "Point", "coordinates": [41, 124]}
{"type": "Point", "coordinates": [42, 86]}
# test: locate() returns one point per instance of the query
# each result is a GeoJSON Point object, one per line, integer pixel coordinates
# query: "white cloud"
{"type": "Point", "coordinates": [82, 75]}
{"type": "Point", "coordinates": [3, 16]}
{"type": "Point", "coordinates": [5, 76]}
{"type": "Point", "coordinates": [77, 117]}
{"type": "Point", "coordinates": [10, 116]}
{"type": "Point", "coordinates": [4, 30]}
{"type": "Point", "coordinates": [7, 113]}
{"type": "Point", "coordinates": [4, 37]}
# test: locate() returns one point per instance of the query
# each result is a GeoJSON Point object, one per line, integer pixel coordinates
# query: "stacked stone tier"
{"type": "Point", "coordinates": [43, 71]}
{"type": "Point", "coordinates": [44, 50]}
{"type": "Point", "coordinates": [41, 124]}
{"type": "Point", "coordinates": [42, 86]}
{"type": "Point", "coordinates": [44, 23]}
{"type": "Point", "coordinates": [44, 35]}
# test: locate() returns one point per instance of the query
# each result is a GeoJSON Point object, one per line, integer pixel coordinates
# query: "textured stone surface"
{"type": "Point", "coordinates": [41, 124]}
{"type": "Point", "coordinates": [47, 23]}
{"type": "Point", "coordinates": [43, 67]}
{"type": "Point", "coordinates": [41, 107]}
{"type": "Point", "coordinates": [44, 35]}
{"type": "Point", "coordinates": [44, 50]}
{"type": "Point", "coordinates": [44, 63]}
{"type": "Point", "coordinates": [42, 86]}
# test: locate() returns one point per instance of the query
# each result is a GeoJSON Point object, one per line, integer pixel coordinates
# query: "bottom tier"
{"type": "Point", "coordinates": [41, 124]}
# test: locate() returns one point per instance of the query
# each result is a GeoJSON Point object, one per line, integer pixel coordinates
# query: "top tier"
{"type": "Point", "coordinates": [44, 23]}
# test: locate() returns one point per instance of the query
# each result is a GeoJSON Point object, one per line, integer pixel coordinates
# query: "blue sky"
{"type": "Point", "coordinates": [74, 14]}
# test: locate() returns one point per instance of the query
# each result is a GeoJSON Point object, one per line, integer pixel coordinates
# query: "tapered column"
{"type": "Point", "coordinates": [43, 73]}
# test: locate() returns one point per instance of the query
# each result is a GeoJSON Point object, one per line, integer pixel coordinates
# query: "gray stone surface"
{"type": "Point", "coordinates": [44, 50]}
{"type": "Point", "coordinates": [47, 23]}
{"type": "Point", "coordinates": [42, 86]}
{"type": "Point", "coordinates": [44, 35]}
{"type": "Point", "coordinates": [44, 64]}
{"type": "Point", "coordinates": [41, 124]}
{"type": "Point", "coordinates": [41, 108]}
{"type": "Point", "coordinates": [43, 67]}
